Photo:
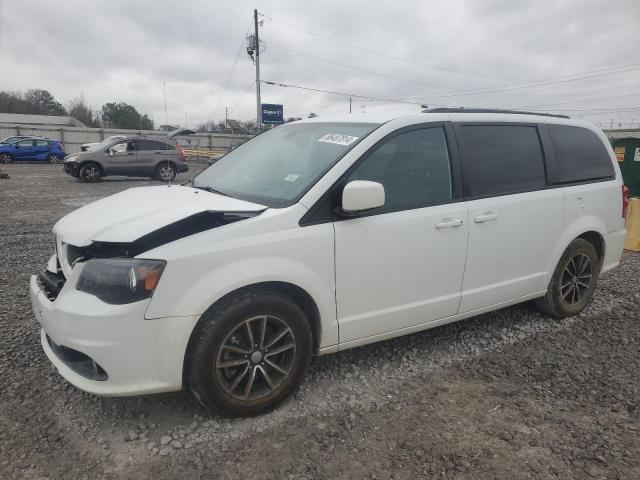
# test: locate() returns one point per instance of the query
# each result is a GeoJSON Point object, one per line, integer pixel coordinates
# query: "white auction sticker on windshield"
{"type": "Point", "coordinates": [292, 177]}
{"type": "Point", "coordinates": [338, 139]}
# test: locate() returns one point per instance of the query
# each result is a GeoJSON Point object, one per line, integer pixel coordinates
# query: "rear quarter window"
{"type": "Point", "coordinates": [153, 145]}
{"type": "Point", "coordinates": [580, 154]}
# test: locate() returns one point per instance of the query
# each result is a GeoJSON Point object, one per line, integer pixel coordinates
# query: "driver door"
{"type": "Point", "coordinates": [402, 265]}
{"type": "Point", "coordinates": [24, 149]}
{"type": "Point", "coordinates": [122, 159]}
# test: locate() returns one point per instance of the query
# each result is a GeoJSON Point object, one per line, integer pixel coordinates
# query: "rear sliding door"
{"type": "Point", "coordinates": [514, 220]}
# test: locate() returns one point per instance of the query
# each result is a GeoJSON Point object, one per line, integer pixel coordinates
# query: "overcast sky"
{"type": "Point", "coordinates": [582, 56]}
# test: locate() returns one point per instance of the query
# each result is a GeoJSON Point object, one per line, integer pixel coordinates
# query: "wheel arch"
{"type": "Point", "coordinates": [597, 240]}
{"type": "Point", "coordinates": [589, 228]}
{"type": "Point", "coordinates": [86, 162]}
{"type": "Point", "coordinates": [299, 295]}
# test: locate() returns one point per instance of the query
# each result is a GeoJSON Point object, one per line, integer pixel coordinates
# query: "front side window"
{"type": "Point", "coordinates": [413, 167]}
{"type": "Point", "coordinates": [123, 147]}
{"type": "Point", "coordinates": [277, 167]}
{"type": "Point", "coordinates": [500, 159]}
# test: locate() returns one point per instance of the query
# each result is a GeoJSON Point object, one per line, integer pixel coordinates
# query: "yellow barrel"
{"type": "Point", "coordinates": [632, 242]}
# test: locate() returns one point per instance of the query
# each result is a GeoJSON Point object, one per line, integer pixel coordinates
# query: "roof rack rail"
{"type": "Point", "coordinates": [488, 110]}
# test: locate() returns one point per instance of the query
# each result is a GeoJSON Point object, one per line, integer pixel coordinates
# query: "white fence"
{"type": "Point", "coordinates": [73, 137]}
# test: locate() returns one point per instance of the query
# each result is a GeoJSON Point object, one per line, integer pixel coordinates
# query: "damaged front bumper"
{"type": "Point", "coordinates": [71, 168]}
{"type": "Point", "coordinates": [107, 349]}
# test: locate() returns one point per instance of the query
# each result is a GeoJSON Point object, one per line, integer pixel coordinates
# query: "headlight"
{"type": "Point", "coordinates": [70, 158]}
{"type": "Point", "coordinates": [120, 280]}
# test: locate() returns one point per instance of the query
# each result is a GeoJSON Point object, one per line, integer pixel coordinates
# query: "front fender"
{"type": "Point", "coordinates": [218, 282]}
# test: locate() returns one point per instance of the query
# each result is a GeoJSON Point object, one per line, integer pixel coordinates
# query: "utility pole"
{"type": "Point", "coordinates": [349, 105]}
{"type": "Point", "coordinates": [258, 108]}
{"type": "Point", "coordinates": [164, 87]}
{"type": "Point", "coordinates": [226, 116]}
{"type": "Point", "coordinates": [186, 123]}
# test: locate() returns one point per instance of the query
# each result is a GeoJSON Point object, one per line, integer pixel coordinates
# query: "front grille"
{"type": "Point", "coordinates": [51, 284]}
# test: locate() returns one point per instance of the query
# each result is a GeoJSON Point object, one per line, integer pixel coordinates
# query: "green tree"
{"type": "Point", "coordinates": [146, 123]}
{"type": "Point", "coordinates": [44, 103]}
{"type": "Point", "coordinates": [123, 115]}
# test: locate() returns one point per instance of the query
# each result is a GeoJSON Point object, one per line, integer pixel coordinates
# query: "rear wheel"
{"type": "Point", "coordinates": [165, 172]}
{"type": "Point", "coordinates": [573, 282]}
{"type": "Point", "coordinates": [249, 354]}
{"type": "Point", "coordinates": [5, 158]}
{"type": "Point", "coordinates": [90, 172]}
{"type": "Point", "coordinates": [55, 159]}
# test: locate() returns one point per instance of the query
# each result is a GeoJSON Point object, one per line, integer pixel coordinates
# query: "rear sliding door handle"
{"type": "Point", "coordinates": [486, 217]}
{"type": "Point", "coordinates": [449, 223]}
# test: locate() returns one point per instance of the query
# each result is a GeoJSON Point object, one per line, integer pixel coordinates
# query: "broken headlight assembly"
{"type": "Point", "coordinates": [119, 281]}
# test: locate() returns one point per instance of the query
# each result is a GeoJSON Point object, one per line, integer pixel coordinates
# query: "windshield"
{"type": "Point", "coordinates": [277, 167]}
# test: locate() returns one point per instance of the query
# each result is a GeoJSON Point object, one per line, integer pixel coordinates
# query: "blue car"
{"type": "Point", "coordinates": [32, 149]}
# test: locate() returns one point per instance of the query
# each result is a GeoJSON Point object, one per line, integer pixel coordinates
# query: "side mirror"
{"type": "Point", "coordinates": [362, 195]}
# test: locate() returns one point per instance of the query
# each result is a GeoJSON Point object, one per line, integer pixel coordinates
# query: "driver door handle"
{"type": "Point", "coordinates": [449, 223]}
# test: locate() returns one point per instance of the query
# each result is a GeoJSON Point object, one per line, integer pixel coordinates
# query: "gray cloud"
{"type": "Point", "coordinates": [123, 51]}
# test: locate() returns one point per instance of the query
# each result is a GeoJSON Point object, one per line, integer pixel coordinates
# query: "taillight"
{"type": "Point", "coordinates": [181, 150]}
{"type": "Point", "coordinates": [625, 200]}
{"type": "Point", "coordinates": [60, 146]}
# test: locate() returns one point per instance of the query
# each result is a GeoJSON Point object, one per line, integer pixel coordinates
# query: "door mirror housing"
{"type": "Point", "coordinates": [362, 195]}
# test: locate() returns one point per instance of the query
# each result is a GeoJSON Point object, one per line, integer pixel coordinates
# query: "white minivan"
{"type": "Point", "coordinates": [322, 235]}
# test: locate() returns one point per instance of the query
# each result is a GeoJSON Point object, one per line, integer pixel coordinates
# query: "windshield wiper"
{"type": "Point", "coordinates": [213, 190]}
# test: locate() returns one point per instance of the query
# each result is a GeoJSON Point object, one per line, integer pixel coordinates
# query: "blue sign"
{"type": "Point", "coordinates": [272, 113]}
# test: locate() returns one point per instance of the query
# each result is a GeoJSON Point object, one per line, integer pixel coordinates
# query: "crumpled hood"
{"type": "Point", "coordinates": [133, 213]}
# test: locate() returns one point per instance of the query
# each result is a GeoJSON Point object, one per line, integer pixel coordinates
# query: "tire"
{"type": "Point", "coordinates": [165, 172]}
{"type": "Point", "coordinates": [5, 158]}
{"type": "Point", "coordinates": [90, 172]}
{"type": "Point", "coordinates": [55, 159]}
{"type": "Point", "coordinates": [573, 281]}
{"type": "Point", "coordinates": [221, 363]}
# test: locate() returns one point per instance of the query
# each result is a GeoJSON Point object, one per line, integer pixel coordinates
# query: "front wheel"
{"type": "Point", "coordinates": [166, 172]}
{"type": "Point", "coordinates": [5, 158]}
{"type": "Point", "coordinates": [249, 354]}
{"type": "Point", "coordinates": [573, 282]}
{"type": "Point", "coordinates": [90, 173]}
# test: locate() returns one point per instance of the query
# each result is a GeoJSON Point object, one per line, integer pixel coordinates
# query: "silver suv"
{"type": "Point", "coordinates": [134, 156]}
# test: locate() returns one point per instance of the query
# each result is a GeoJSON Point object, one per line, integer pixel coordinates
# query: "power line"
{"type": "Point", "coordinates": [381, 54]}
{"type": "Point", "coordinates": [226, 83]}
{"type": "Point", "coordinates": [353, 67]}
{"type": "Point", "coordinates": [365, 97]}
{"type": "Point", "coordinates": [610, 97]}
{"type": "Point", "coordinates": [242, 97]}
{"type": "Point", "coordinates": [414, 62]}
{"type": "Point", "coordinates": [393, 100]}
{"type": "Point", "coordinates": [488, 90]}
{"type": "Point", "coordinates": [529, 85]}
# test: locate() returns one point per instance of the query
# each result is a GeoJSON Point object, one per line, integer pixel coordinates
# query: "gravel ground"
{"type": "Point", "coordinates": [511, 394]}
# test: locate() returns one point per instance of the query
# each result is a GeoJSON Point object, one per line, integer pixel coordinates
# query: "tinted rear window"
{"type": "Point", "coordinates": [153, 145]}
{"type": "Point", "coordinates": [580, 154]}
{"type": "Point", "coordinates": [500, 159]}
